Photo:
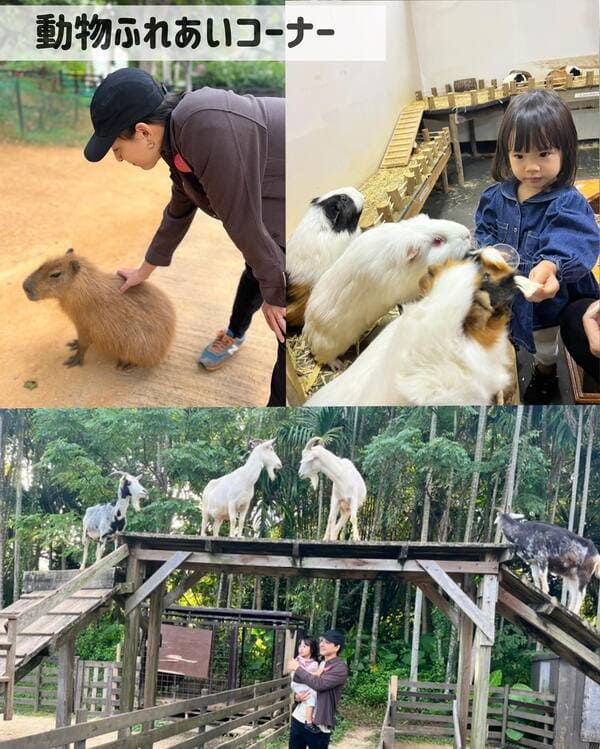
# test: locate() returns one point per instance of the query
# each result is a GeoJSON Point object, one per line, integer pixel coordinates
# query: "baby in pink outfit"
{"type": "Point", "coordinates": [307, 660]}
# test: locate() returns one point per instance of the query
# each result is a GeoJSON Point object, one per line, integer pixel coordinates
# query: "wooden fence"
{"type": "Point", "coordinates": [250, 717]}
{"type": "Point", "coordinates": [515, 717]}
{"type": "Point", "coordinates": [96, 687]}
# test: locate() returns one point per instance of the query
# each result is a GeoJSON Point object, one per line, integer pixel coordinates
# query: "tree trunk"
{"type": "Point", "coordinates": [575, 481]}
{"type": "Point", "coordinates": [361, 623]}
{"type": "Point", "coordinates": [481, 423]}
{"type": "Point", "coordinates": [18, 505]}
{"type": "Point", "coordinates": [586, 472]}
{"type": "Point", "coordinates": [414, 655]}
{"type": "Point", "coordinates": [276, 593]}
{"type": "Point", "coordinates": [375, 625]}
{"type": "Point", "coordinates": [336, 603]}
{"type": "Point", "coordinates": [407, 605]}
{"type": "Point", "coordinates": [3, 507]}
{"type": "Point", "coordinates": [512, 470]}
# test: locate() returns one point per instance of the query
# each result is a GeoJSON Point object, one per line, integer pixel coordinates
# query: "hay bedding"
{"type": "Point", "coordinates": [375, 190]}
{"type": "Point", "coordinates": [312, 375]}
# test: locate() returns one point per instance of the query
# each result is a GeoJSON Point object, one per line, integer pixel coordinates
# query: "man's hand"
{"type": "Point", "coordinates": [544, 273]}
{"type": "Point", "coordinates": [275, 317]}
{"type": "Point", "coordinates": [135, 276]}
{"type": "Point", "coordinates": [591, 326]}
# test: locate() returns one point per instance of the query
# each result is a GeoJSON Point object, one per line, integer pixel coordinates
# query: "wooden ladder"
{"type": "Point", "coordinates": [403, 138]}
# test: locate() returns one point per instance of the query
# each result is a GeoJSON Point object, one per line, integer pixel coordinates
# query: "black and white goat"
{"type": "Point", "coordinates": [101, 523]}
{"type": "Point", "coordinates": [550, 548]}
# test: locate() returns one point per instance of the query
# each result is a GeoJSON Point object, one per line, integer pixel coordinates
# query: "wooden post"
{"type": "Point", "coordinates": [153, 645]}
{"type": "Point", "coordinates": [135, 575]}
{"type": "Point", "coordinates": [386, 211]}
{"type": "Point", "coordinates": [81, 716]}
{"type": "Point", "coordinates": [480, 83]}
{"type": "Point", "coordinates": [494, 83]}
{"type": "Point", "coordinates": [445, 187]}
{"type": "Point", "coordinates": [465, 639]}
{"type": "Point", "coordinates": [426, 135]}
{"type": "Point", "coordinates": [37, 686]}
{"type": "Point", "coordinates": [448, 88]}
{"type": "Point", "coordinates": [451, 100]}
{"type": "Point", "coordinates": [434, 91]}
{"type": "Point", "coordinates": [473, 139]}
{"type": "Point", "coordinates": [419, 95]}
{"type": "Point", "coordinates": [474, 98]}
{"type": "Point", "coordinates": [456, 148]}
{"type": "Point", "coordinates": [201, 710]}
{"type": "Point", "coordinates": [589, 78]}
{"type": "Point", "coordinates": [483, 655]}
{"type": "Point", "coordinates": [430, 102]}
{"type": "Point", "coordinates": [505, 90]}
{"type": "Point", "coordinates": [9, 670]}
{"type": "Point", "coordinates": [491, 93]}
{"type": "Point", "coordinates": [504, 716]}
{"type": "Point", "coordinates": [64, 694]}
{"type": "Point", "coordinates": [19, 105]}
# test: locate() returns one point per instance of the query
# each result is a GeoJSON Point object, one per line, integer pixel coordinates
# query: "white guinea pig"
{"type": "Point", "coordinates": [380, 269]}
{"type": "Point", "coordinates": [449, 348]}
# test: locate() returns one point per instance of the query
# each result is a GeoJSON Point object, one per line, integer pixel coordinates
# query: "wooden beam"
{"type": "Point", "coordinates": [269, 565]}
{"type": "Point", "coordinates": [188, 581]}
{"type": "Point", "coordinates": [153, 647]}
{"type": "Point", "coordinates": [174, 562]}
{"type": "Point", "coordinates": [48, 603]}
{"type": "Point", "coordinates": [483, 657]}
{"type": "Point", "coordinates": [64, 696]}
{"type": "Point", "coordinates": [440, 602]}
{"type": "Point", "coordinates": [135, 575]}
{"type": "Point", "coordinates": [464, 675]}
{"type": "Point", "coordinates": [448, 585]}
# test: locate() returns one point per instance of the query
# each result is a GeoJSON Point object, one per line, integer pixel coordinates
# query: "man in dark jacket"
{"type": "Point", "coordinates": [328, 685]}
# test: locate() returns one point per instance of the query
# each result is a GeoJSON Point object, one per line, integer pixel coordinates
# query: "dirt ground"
{"type": "Point", "coordinates": [52, 199]}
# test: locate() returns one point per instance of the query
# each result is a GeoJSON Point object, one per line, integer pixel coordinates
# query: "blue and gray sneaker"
{"type": "Point", "coordinates": [220, 350]}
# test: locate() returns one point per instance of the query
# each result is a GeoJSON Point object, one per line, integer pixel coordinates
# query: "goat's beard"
{"type": "Point", "coordinates": [135, 501]}
{"type": "Point", "coordinates": [314, 480]}
{"type": "Point", "coordinates": [271, 473]}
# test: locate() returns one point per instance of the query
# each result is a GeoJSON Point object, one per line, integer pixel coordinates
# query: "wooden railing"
{"type": "Point", "coordinates": [428, 709]}
{"type": "Point", "coordinates": [264, 707]}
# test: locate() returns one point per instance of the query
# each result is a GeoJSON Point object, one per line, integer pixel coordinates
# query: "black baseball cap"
{"type": "Point", "coordinates": [122, 99]}
{"type": "Point", "coordinates": [335, 637]}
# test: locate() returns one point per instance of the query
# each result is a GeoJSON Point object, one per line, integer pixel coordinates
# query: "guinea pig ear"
{"type": "Point", "coordinates": [70, 251]}
{"type": "Point", "coordinates": [415, 248]}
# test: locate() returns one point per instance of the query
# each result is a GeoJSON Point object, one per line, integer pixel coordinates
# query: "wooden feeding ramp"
{"type": "Point", "coordinates": [547, 621]}
{"type": "Point", "coordinates": [401, 143]}
{"type": "Point", "coordinates": [48, 617]}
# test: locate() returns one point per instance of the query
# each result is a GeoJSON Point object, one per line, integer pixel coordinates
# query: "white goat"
{"type": "Point", "coordinates": [101, 523]}
{"type": "Point", "coordinates": [348, 492]}
{"type": "Point", "coordinates": [229, 497]}
{"type": "Point", "coordinates": [551, 548]}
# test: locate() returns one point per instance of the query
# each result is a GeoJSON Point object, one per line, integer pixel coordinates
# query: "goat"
{"type": "Point", "coordinates": [348, 492]}
{"type": "Point", "coordinates": [101, 523]}
{"type": "Point", "coordinates": [550, 548]}
{"type": "Point", "coordinates": [229, 496]}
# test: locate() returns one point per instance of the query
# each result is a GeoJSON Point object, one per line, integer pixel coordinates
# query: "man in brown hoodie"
{"type": "Point", "coordinates": [328, 685]}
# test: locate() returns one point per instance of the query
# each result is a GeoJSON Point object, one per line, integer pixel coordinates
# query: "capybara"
{"type": "Point", "coordinates": [136, 328]}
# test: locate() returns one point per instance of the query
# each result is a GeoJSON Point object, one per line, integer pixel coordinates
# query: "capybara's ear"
{"type": "Point", "coordinates": [70, 251]}
{"type": "Point", "coordinates": [75, 266]}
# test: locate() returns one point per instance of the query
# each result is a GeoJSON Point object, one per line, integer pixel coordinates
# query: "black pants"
{"type": "Point", "coordinates": [300, 738]}
{"type": "Point", "coordinates": [575, 339]}
{"type": "Point", "coordinates": [248, 300]}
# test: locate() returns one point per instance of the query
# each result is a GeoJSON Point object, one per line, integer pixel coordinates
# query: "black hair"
{"type": "Point", "coordinates": [537, 120]}
{"type": "Point", "coordinates": [160, 116]}
{"type": "Point", "coordinates": [312, 644]}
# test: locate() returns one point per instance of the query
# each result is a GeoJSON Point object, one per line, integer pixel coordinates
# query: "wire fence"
{"type": "Point", "coordinates": [46, 109]}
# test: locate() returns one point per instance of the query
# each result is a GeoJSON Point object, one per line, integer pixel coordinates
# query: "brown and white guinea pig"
{"type": "Point", "coordinates": [136, 328]}
{"type": "Point", "coordinates": [380, 269]}
{"type": "Point", "coordinates": [325, 231]}
{"type": "Point", "coordinates": [450, 347]}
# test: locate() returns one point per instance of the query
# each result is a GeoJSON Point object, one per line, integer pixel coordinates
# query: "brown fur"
{"type": "Point", "coordinates": [557, 79]}
{"type": "Point", "coordinates": [483, 322]}
{"type": "Point", "coordinates": [297, 297]}
{"type": "Point", "coordinates": [136, 328]}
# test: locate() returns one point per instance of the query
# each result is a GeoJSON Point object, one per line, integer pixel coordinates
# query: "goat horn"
{"type": "Point", "coordinates": [116, 473]}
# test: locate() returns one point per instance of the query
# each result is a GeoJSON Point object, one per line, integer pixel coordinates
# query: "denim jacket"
{"type": "Point", "coordinates": [557, 225]}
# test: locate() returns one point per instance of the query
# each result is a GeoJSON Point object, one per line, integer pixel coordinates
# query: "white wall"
{"type": "Point", "coordinates": [340, 116]}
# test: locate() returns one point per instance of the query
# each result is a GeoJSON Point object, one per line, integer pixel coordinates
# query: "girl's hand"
{"type": "Point", "coordinates": [591, 326]}
{"type": "Point", "coordinates": [544, 273]}
{"type": "Point", "coordinates": [135, 276]}
{"type": "Point", "coordinates": [292, 664]}
{"type": "Point", "coordinates": [275, 317]}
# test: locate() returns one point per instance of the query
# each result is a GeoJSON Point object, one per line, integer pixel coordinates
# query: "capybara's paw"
{"type": "Point", "coordinates": [73, 345]}
{"type": "Point", "coordinates": [125, 366]}
{"type": "Point", "coordinates": [74, 360]}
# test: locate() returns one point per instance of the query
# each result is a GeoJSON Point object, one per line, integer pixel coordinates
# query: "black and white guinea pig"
{"type": "Point", "coordinates": [518, 76]}
{"type": "Point", "coordinates": [380, 269]}
{"type": "Point", "coordinates": [325, 231]}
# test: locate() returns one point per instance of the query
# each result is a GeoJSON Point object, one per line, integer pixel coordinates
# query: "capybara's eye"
{"type": "Point", "coordinates": [55, 274]}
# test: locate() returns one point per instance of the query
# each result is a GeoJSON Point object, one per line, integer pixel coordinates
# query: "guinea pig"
{"type": "Point", "coordinates": [136, 328]}
{"type": "Point", "coordinates": [380, 269]}
{"type": "Point", "coordinates": [518, 76]}
{"type": "Point", "coordinates": [450, 347]}
{"type": "Point", "coordinates": [326, 229]}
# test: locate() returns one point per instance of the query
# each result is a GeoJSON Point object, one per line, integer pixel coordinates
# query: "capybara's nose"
{"type": "Point", "coordinates": [28, 288]}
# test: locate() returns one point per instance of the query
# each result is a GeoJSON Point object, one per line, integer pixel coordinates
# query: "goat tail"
{"type": "Point", "coordinates": [597, 565]}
